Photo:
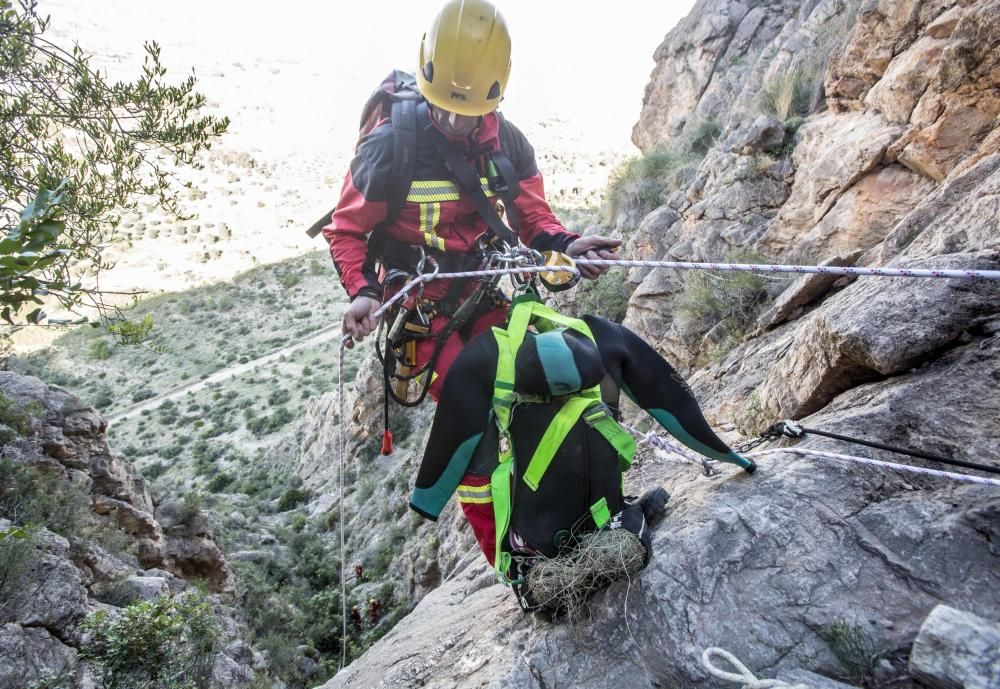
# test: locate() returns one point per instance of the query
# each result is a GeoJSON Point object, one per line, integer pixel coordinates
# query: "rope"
{"type": "Point", "coordinates": [653, 439]}
{"type": "Point", "coordinates": [342, 452]}
{"type": "Point", "coordinates": [878, 463]}
{"type": "Point", "coordinates": [667, 445]}
{"type": "Point", "coordinates": [963, 274]}
{"type": "Point", "coordinates": [744, 676]}
{"type": "Point", "coordinates": [794, 430]}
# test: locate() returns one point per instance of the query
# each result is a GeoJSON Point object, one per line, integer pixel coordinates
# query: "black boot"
{"type": "Point", "coordinates": [653, 503]}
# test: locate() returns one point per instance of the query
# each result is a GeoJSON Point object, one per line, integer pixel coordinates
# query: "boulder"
{"type": "Point", "coordinates": [876, 327]}
{"type": "Point", "coordinates": [956, 649]}
{"type": "Point", "coordinates": [765, 133]}
{"type": "Point", "coordinates": [834, 151]}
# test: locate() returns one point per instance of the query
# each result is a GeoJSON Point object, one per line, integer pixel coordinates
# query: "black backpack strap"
{"type": "Point", "coordinates": [404, 154]}
{"type": "Point", "coordinates": [508, 186]}
{"type": "Point", "coordinates": [468, 181]}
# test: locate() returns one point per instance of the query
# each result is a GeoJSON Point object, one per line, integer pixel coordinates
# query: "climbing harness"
{"type": "Point", "coordinates": [585, 404]}
{"type": "Point", "coordinates": [743, 676]}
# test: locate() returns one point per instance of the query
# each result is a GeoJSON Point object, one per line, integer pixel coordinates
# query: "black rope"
{"type": "Point", "coordinates": [793, 430]}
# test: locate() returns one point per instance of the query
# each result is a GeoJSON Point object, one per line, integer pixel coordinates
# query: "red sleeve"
{"type": "Point", "coordinates": [539, 227]}
{"type": "Point", "coordinates": [348, 233]}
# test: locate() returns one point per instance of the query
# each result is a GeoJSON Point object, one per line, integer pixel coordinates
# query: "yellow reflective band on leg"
{"type": "Point", "coordinates": [478, 495]}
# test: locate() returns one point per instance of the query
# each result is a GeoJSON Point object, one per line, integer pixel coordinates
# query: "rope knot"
{"type": "Point", "coordinates": [743, 676]}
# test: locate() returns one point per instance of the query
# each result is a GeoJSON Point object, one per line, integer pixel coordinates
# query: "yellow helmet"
{"type": "Point", "coordinates": [465, 58]}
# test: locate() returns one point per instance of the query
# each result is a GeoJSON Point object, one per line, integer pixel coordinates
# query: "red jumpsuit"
{"type": "Point", "coordinates": [435, 215]}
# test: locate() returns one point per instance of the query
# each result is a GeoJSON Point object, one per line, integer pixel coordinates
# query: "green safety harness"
{"type": "Point", "coordinates": [586, 403]}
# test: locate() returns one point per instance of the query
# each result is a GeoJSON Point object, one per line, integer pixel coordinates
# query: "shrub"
{"type": "Point", "coordinates": [711, 297]}
{"type": "Point", "coordinates": [292, 498]}
{"type": "Point", "coordinates": [143, 394]}
{"type": "Point", "coordinates": [855, 650]}
{"type": "Point", "coordinates": [191, 505]}
{"type": "Point", "coordinates": [219, 482]}
{"type": "Point", "coordinates": [29, 497]}
{"type": "Point", "coordinates": [702, 134]}
{"type": "Point", "coordinates": [99, 350]}
{"type": "Point", "coordinates": [641, 184]}
{"type": "Point", "coordinates": [603, 297]}
{"type": "Point", "coordinates": [168, 643]}
{"type": "Point", "coordinates": [15, 419]}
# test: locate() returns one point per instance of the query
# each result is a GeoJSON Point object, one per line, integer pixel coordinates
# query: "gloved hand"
{"type": "Point", "coordinates": [359, 319]}
{"type": "Point", "coordinates": [596, 247]}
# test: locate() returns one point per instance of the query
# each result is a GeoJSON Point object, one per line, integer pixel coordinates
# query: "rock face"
{"type": "Point", "coordinates": [49, 583]}
{"type": "Point", "coordinates": [764, 566]}
{"type": "Point", "coordinates": [849, 133]}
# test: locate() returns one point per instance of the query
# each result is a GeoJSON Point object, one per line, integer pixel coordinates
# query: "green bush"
{"type": "Point", "coordinates": [603, 297]}
{"type": "Point", "coordinates": [15, 419]}
{"type": "Point", "coordinates": [191, 506]}
{"type": "Point", "coordinates": [168, 643]}
{"type": "Point", "coordinates": [641, 184]}
{"type": "Point", "coordinates": [100, 350]}
{"type": "Point", "coordinates": [292, 498]}
{"type": "Point", "coordinates": [29, 497]}
{"type": "Point", "coordinates": [711, 297]}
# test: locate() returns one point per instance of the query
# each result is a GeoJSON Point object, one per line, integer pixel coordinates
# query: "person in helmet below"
{"type": "Point", "coordinates": [462, 72]}
{"type": "Point", "coordinates": [526, 435]}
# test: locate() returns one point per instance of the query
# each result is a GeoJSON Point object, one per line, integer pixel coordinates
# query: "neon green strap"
{"type": "Point", "coordinates": [618, 437]}
{"type": "Point", "coordinates": [553, 438]}
{"type": "Point", "coordinates": [600, 512]}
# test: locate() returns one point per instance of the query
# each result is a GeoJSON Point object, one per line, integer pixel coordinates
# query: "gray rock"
{"type": "Point", "coordinates": [793, 550]}
{"type": "Point", "coordinates": [803, 291]}
{"type": "Point", "coordinates": [147, 588]}
{"type": "Point", "coordinates": [812, 680]}
{"type": "Point", "coordinates": [956, 649]}
{"type": "Point", "coordinates": [765, 133]}
{"type": "Point", "coordinates": [31, 655]}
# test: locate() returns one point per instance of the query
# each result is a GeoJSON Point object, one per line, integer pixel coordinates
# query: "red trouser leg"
{"type": "Point", "coordinates": [478, 508]}
{"type": "Point", "coordinates": [453, 345]}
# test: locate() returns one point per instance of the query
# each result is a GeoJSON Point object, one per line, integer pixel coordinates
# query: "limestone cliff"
{"type": "Point", "coordinates": [852, 133]}
{"type": "Point", "coordinates": [99, 548]}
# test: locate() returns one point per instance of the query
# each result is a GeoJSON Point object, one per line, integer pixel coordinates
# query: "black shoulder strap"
{"type": "Point", "coordinates": [404, 154]}
{"type": "Point", "coordinates": [468, 181]}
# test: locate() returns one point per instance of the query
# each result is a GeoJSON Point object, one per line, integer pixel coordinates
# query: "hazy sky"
{"type": "Point", "coordinates": [307, 59]}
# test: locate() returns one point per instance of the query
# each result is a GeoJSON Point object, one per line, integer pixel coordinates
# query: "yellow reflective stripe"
{"type": "Point", "coordinates": [438, 190]}
{"type": "Point", "coordinates": [474, 490]}
{"type": "Point", "coordinates": [477, 495]}
{"type": "Point", "coordinates": [430, 216]}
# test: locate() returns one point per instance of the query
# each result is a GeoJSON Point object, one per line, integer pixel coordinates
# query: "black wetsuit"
{"type": "Point", "coordinates": [462, 450]}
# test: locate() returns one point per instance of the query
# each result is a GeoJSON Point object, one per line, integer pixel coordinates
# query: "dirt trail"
{"type": "Point", "coordinates": [321, 336]}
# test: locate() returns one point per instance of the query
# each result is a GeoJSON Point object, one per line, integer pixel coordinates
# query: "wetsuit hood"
{"type": "Point", "coordinates": [558, 362]}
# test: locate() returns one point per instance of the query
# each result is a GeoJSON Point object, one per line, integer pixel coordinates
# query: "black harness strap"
{"type": "Point", "coordinates": [468, 181]}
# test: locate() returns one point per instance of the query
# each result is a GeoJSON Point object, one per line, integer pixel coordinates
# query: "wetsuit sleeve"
{"type": "Point", "coordinates": [540, 229]}
{"type": "Point", "coordinates": [460, 421]}
{"type": "Point", "coordinates": [363, 205]}
{"type": "Point", "coordinates": [654, 385]}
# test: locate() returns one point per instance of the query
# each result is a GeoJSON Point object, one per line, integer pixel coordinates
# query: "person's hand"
{"type": "Point", "coordinates": [595, 247]}
{"type": "Point", "coordinates": [359, 319]}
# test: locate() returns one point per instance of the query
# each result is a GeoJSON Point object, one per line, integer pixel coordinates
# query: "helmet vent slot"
{"type": "Point", "coordinates": [428, 71]}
